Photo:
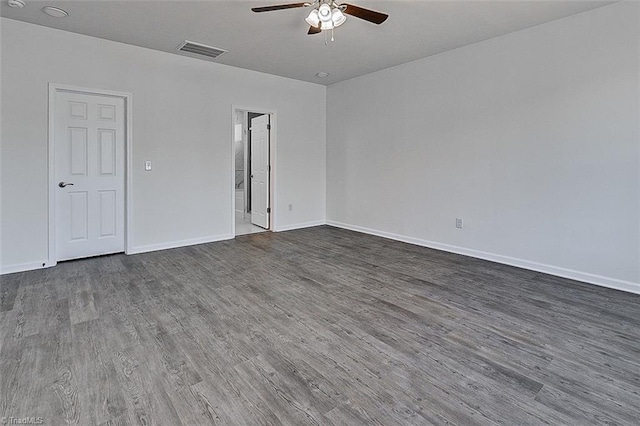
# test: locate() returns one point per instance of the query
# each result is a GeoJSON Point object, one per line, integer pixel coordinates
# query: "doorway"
{"type": "Point", "coordinates": [88, 138]}
{"type": "Point", "coordinates": [252, 165]}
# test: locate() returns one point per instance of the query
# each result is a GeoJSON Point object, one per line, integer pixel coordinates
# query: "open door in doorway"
{"type": "Point", "coordinates": [260, 169]}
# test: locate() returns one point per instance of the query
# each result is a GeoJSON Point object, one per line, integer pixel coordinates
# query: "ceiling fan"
{"type": "Point", "coordinates": [327, 14]}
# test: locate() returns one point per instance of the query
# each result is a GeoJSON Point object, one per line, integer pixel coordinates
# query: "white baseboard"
{"type": "Point", "coordinates": [599, 280]}
{"type": "Point", "coordinates": [135, 250]}
{"type": "Point", "coordinates": [11, 269]}
{"type": "Point", "coordinates": [300, 225]}
{"type": "Point", "coordinates": [181, 243]}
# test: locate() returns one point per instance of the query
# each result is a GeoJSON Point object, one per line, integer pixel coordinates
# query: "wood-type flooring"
{"type": "Point", "coordinates": [319, 326]}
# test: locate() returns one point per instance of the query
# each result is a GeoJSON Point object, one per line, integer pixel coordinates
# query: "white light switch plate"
{"type": "Point", "coordinates": [147, 165]}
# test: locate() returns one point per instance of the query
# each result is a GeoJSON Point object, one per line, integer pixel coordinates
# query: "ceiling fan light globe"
{"type": "Point", "coordinates": [338, 17]}
{"type": "Point", "coordinates": [324, 12]}
{"type": "Point", "coordinates": [327, 25]}
{"type": "Point", "coordinates": [313, 19]}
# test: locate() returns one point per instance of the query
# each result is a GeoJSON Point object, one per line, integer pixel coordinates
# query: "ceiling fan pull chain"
{"type": "Point", "coordinates": [332, 35]}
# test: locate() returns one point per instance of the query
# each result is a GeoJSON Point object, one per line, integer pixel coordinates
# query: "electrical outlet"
{"type": "Point", "coordinates": [147, 166]}
{"type": "Point", "coordinates": [459, 222]}
{"type": "Point", "coordinates": [290, 207]}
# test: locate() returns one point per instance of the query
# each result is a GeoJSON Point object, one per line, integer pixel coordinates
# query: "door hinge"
{"type": "Point", "coordinates": [268, 126]}
{"type": "Point", "coordinates": [268, 209]}
{"type": "Point", "coordinates": [269, 169]}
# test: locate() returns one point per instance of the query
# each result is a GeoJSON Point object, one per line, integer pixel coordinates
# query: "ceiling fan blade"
{"type": "Point", "coordinates": [314, 30]}
{"type": "Point", "coordinates": [366, 14]}
{"type": "Point", "coordinates": [278, 7]}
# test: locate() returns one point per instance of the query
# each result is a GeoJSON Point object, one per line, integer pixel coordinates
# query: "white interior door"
{"type": "Point", "coordinates": [89, 145]}
{"type": "Point", "coordinates": [260, 171]}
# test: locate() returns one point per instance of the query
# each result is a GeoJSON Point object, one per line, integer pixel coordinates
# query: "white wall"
{"type": "Point", "coordinates": [182, 121]}
{"type": "Point", "coordinates": [532, 138]}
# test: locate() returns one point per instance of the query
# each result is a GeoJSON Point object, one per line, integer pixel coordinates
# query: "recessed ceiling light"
{"type": "Point", "coordinates": [55, 12]}
{"type": "Point", "coordinates": [16, 3]}
{"type": "Point", "coordinates": [322, 74]}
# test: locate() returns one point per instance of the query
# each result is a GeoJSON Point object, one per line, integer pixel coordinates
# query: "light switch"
{"type": "Point", "coordinates": [147, 166]}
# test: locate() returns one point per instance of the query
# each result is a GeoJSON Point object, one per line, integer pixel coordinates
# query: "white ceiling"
{"type": "Point", "coordinates": [277, 43]}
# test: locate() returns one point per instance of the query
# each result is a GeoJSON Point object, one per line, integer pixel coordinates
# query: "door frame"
{"type": "Point", "coordinates": [55, 88]}
{"type": "Point", "coordinates": [272, 162]}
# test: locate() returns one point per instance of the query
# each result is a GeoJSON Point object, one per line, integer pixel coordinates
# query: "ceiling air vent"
{"type": "Point", "coordinates": [198, 50]}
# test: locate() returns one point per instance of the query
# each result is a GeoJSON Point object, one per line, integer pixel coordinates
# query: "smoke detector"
{"type": "Point", "coordinates": [16, 3]}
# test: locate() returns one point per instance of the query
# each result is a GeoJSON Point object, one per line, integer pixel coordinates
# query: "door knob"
{"type": "Point", "coordinates": [63, 184]}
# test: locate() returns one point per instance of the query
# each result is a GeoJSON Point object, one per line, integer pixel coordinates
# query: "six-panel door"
{"type": "Point", "coordinates": [260, 171]}
{"type": "Point", "coordinates": [89, 168]}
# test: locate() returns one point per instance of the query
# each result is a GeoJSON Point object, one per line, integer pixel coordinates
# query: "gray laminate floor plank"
{"type": "Point", "coordinates": [100, 396]}
{"type": "Point", "coordinates": [314, 326]}
{"type": "Point", "coordinates": [8, 290]}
